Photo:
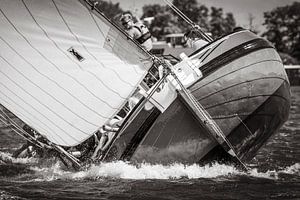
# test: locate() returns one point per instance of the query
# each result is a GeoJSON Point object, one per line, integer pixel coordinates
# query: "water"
{"type": "Point", "coordinates": [275, 174]}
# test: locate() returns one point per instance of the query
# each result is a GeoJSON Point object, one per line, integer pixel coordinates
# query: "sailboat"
{"type": "Point", "coordinates": [66, 70]}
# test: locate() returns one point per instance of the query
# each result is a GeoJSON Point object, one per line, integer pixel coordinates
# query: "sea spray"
{"type": "Point", "coordinates": [124, 170]}
{"type": "Point", "coordinates": [7, 157]}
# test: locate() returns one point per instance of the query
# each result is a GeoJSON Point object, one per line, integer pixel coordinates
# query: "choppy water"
{"type": "Point", "coordinates": [275, 174]}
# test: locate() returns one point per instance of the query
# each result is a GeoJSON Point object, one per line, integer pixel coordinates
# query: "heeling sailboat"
{"type": "Point", "coordinates": [66, 70]}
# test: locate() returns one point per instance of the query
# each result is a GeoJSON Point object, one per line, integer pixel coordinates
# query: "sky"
{"type": "Point", "coordinates": [241, 9]}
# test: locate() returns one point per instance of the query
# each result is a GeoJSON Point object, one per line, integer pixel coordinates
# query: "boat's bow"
{"type": "Point", "coordinates": [245, 89]}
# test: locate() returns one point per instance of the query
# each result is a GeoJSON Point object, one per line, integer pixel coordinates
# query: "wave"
{"type": "Point", "coordinates": [125, 170]}
{"type": "Point", "coordinates": [6, 157]}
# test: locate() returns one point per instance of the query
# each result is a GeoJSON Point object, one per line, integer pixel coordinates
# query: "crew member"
{"type": "Point", "coordinates": [137, 31]}
{"type": "Point", "coordinates": [194, 40]}
{"type": "Point", "coordinates": [105, 135]}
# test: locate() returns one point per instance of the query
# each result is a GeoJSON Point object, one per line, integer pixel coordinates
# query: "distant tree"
{"type": "Point", "coordinates": [152, 10]}
{"type": "Point", "coordinates": [220, 25]}
{"type": "Point", "coordinates": [109, 9]}
{"type": "Point", "coordinates": [283, 28]}
{"type": "Point", "coordinates": [164, 21]}
{"type": "Point", "coordinates": [167, 21]}
{"type": "Point", "coordinates": [195, 12]}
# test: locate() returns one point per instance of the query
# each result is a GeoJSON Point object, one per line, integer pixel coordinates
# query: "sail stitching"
{"type": "Point", "coordinates": [10, 102]}
{"type": "Point", "coordinates": [91, 14]}
{"type": "Point", "coordinates": [45, 90]}
{"type": "Point", "coordinates": [51, 64]}
{"type": "Point", "coordinates": [24, 116]}
{"type": "Point", "coordinates": [97, 25]}
{"type": "Point", "coordinates": [42, 89]}
{"type": "Point", "coordinates": [56, 45]}
{"type": "Point", "coordinates": [95, 76]}
{"type": "Point", "coordinates": [37, 111]}
{"type": "Point", "coordinates": [41, 103]}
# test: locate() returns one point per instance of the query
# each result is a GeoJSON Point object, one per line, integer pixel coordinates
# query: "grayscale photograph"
{"type": "Point", "coordinates": [150, 99]}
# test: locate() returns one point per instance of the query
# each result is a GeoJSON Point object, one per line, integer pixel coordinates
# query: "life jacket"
{"type": "Point", "coordinates": [146, 35]}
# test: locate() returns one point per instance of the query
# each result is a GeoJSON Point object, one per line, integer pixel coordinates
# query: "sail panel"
{"type": "Point", "coordinates": [64, 70]}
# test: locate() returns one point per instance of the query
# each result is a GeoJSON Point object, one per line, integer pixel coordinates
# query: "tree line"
{"type": "Point", "coordinates": [282, 23]}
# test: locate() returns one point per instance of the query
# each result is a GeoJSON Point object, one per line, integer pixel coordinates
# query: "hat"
{"type": "Point", "coordinates": [125, 18]}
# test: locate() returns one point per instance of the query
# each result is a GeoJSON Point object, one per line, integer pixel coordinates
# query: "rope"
{"type": "Point", "coordinates": [207, 118]}
{"type": "Point", "coordinates": [189, 21]}
{"type": "Point", "coordinates": [18, 130]}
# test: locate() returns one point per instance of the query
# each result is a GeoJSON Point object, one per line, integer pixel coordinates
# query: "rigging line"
{"type": "Point", "coordinates": [19, 113]}
{"type": "Point", "coordinates": [207, 118]}
{"type": "Point", "coordinates": [79, 41]}
{"type": "Point", "coordinates": [35, 69]}
{"type": "Point", "coordinates": [48, 61]}
{"type": "Point", "coordinates": [62, 104]}
{"type": "Point", "coordinates": [140, 48]}
{"type": "Point", "coordinates": [212, 50]}
{"type": "Point", "coordinates": [146, 100]}
{"type": "Point", "coordinates": [38, 112]}
{"type": "Point", "coordinates": [43, 89]}
{"type": "Point", "coordinates": [247, 128]}
{"type": "Point", "coordinates": [97, 25]}
{"type": "Point", "coordinates": [135, 113]}
{"type": "Point", "coordinates": [94, 75]}
{"type": "Point", "coordinates": [16, 128]}
{"type": "Point", "coordinates": [144, 51]}
{"type": "Point", "coordinates": [41, 105]}
{"type": "Point", "coordinates": [13, 101]}
{"type": "Point", "coordinates": [173, 7]}
{"type": "Point", "coordinates": [189, 21]}
{"type": "Point", "coordinates": [68, 56]}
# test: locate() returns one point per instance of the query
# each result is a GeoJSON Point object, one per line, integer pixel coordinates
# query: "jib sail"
{"type": "Point", "coordinates": [64, 70]}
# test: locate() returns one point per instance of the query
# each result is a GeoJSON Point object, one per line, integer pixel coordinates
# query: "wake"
{"type": "Point", "coordinates": [125, 170]}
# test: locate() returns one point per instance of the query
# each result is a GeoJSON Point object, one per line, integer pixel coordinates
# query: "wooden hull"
{"type": "Point", "coordinates": [245, 90]}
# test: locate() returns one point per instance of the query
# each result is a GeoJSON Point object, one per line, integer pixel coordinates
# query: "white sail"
{"type": "Point", "coordinates": [64, 70]}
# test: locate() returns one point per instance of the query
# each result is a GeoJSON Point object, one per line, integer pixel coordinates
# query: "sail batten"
{"type": "Point", "coordinates": [64, 70]}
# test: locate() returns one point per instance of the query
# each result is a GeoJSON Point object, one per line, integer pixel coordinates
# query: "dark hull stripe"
{"type": "Point", "coordinates": [139, 135]}
{"type": "Point", "coordinates": [240, 83]}
{"type": "Point", "coordinates": [212, 50]}
{"type": "Point", "coordinates": [231, 72]}
{"type": "Point", "coordinates": [233, 54]}
{"type": "Point", "coordinates": [248, 97]}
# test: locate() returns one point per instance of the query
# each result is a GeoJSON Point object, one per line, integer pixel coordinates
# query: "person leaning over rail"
{"type": "Point", "coordinates": [105, 135]}
{"type": "Point", "coordinates": [137, 31]}
{"type": "Point", "coordinates": [194, 40]}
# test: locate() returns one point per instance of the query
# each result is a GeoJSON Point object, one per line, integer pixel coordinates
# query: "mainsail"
{"type": "Point", "coordinates": [65, 70]}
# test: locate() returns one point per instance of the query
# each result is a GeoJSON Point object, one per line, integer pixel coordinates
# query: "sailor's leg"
{"type": "Point", "coordinates": [109, 140]}
{"type": "Point", "coordinates": [101, 143]}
